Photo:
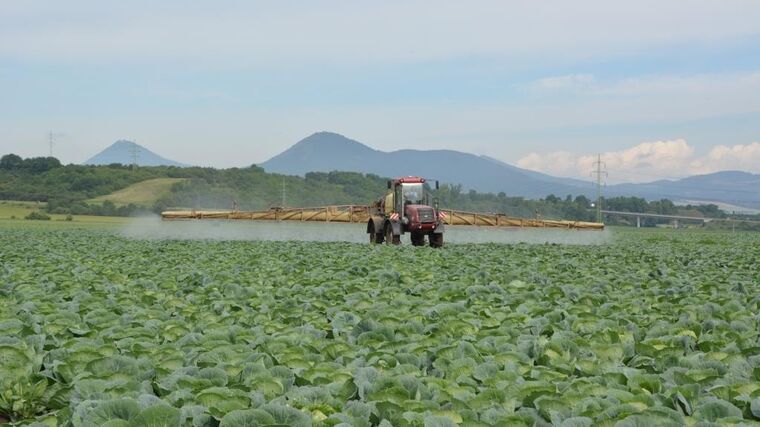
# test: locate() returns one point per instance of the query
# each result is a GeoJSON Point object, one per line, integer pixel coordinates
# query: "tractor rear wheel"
{"type": "Point", "coordinates": [376, 238]}
{"type": "Point", "coordinates": [418, 239]}
{"type": "Point", "coordinates": [390, 238]}
{"type": "Point", "coordinates": [436, 240]}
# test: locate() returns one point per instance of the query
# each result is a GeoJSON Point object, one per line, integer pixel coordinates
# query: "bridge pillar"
{"type": "Point", "coordinates": [638, 222]}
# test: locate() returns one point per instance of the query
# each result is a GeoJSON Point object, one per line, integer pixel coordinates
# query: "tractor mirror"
{"type": "Point", "coordinates": [389, 184]}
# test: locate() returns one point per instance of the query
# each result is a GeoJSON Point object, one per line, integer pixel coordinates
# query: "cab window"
{"type": "Point", "coordinates": [412, 193]}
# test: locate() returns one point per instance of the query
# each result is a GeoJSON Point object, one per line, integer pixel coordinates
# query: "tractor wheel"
{"type": "Point", "coordinates": [418, 239]}
{"type": "Point", "coordinates": [376, 238]}
{"type": "Point", "coordinates": [436, 240]}
{"type": "Point", "coordinates": [390, 238]}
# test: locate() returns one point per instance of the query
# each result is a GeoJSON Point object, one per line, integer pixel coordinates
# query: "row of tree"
{"type": "Point", "coordinates": [12, 162]}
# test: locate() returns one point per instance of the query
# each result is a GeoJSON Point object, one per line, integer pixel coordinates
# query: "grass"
{"type": "Point", "coordinates": [12, 208]}
{"type": "Point", "coordinates": [143, 193]}
{"type": "Point", "coordinates": [12, 211]}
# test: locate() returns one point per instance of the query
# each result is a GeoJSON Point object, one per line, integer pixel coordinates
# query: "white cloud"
{"type": "Point", "coordinates": [587, 84]}
{"type": "Point", "coordinates": [562, 163]}
{"type": "Point", "coordinates": [736, 157]}
{"type": "Point", "coordinates": [648, 161]}
{"type": "Point", "coordinates": [346, 32]}
{"type": "Point", "coordinates": [571, 81]}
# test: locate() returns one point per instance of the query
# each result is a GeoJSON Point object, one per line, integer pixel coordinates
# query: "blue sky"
{"type": "Point", "coordinates": [662, 90]}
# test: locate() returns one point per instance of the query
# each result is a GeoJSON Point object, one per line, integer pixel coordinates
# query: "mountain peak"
{"type": "Point", "coordinates": [326, 134]}
{"type": "Point", "coordinates": [126, 152]}
{"type": "Point", "coordinates": [330, 140]}
{"type": "Point", "coordinates": [124, 142]}
{"type": "Point", "coordinates": [320, 151]}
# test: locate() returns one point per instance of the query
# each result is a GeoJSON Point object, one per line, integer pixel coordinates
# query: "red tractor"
{"type": "Point", "coordinates": [406, 208]}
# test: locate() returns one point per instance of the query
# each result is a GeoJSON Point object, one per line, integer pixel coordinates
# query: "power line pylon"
{"type": "Point", "coordinates": [599, 173]}
{"type": "Point", "coordinates": [283, 193]}
{"type": "Point", "coordinates": [134, 153]}
{"type": "Point", "coordinates": [51, 140]}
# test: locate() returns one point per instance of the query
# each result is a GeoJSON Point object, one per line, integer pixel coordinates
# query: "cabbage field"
{"type": "Point", "coordinates": [653, 328]}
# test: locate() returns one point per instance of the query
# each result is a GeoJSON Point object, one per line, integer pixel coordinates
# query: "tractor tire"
{"type": "Point", "coordinates": [376, 238]}
{"type": "Point", "coordinates": [436, 240]}
{"type": "Point", "coordinates": [390, 238]}
{"type": "Point", "coordinates": [418, 239]}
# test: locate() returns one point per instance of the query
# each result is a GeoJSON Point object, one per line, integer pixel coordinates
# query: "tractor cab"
{"type": "Point", "coordinates": [406, 195]}
{"type": "Point", "coordinates": [406, 208]}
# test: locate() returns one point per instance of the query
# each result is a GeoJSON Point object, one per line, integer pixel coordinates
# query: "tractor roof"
{"type": "Point", "coordinates": [409, 180]}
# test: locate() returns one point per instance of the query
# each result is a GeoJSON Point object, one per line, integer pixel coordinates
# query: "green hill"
{"type": "Point", "coordinates": [145, 193]}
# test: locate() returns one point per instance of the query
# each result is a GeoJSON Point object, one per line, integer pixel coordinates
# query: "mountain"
{"type": "Point", "coordinates": [728, 187]}
{"type": "Point", "coordinates": [327, 151]}
{"type": "Point", "coordinates": [126, 152]}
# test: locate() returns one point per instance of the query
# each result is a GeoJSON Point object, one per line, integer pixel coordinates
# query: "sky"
{"type": "Point", "coordinates": [659, 89]}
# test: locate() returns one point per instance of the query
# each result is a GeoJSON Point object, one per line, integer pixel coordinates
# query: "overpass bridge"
{"type": "Point", "coordinates": [674, 218]}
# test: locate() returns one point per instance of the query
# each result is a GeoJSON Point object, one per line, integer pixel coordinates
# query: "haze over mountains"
{"type": "Point", "coordinates": [326, 151]}
{"type": "Point", "coordinates": [128, 152]}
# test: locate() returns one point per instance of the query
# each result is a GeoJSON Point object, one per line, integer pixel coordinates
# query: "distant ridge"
{"type": "Point", "coordinates": [328, 151]}
{"type": "Point", "coordinates": [122, 151]}
{"type": "Point", "coordinates": [731, 187]}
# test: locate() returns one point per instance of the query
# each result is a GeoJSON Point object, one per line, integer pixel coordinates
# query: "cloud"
{"type": "Point", "coordinates": [561, 163]}
{"type": "Point", "coordinates": [571, 81]}
{"type": "Point", "coordinates": [588, 84]}
{"type": "Point", "coordinates": [245, 32]}
{"type": "Point", "coordinates": [737, 157]}
{"type": "Point", "coordinates": [585, 100]}
{"type": "Point", "coordinates": [648, 161]}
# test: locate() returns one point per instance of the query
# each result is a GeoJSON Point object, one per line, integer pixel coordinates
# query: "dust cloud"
{"type": "Point", "coordinates": [151, 228]}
